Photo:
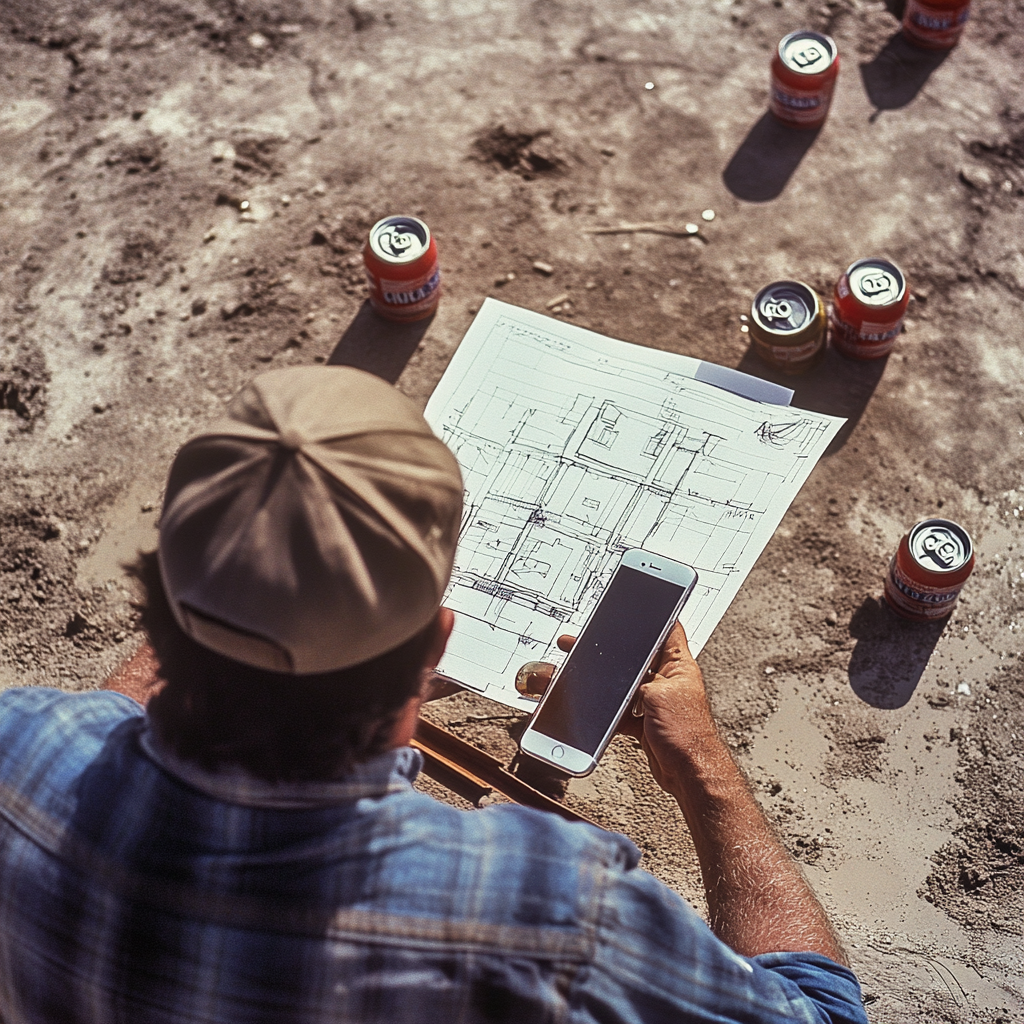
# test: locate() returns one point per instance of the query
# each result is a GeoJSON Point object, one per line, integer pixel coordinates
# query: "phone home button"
{"type": "Point", "coordinates": [558, 752]}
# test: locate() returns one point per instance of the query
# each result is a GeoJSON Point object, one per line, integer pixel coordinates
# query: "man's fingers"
{"type": "Point", "coordinates": [631, 726]}
{"type": "Point", "coordinates": [676, 640]}
{"type": "Point", "coordinates": [674, 650]}
{"type": "Point", "coordinates": [534, 677]}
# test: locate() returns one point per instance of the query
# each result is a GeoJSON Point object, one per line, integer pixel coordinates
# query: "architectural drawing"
{"type": "Point", "coordinates": [574, 448]}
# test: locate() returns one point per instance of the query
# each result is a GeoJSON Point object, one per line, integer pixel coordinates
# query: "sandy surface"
{"type": "Point", "coordinates": [136, 296]}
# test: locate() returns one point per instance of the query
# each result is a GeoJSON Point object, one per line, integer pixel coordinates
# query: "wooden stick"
{"type": "Point", "coordinates": [653, 229]}
{"type": "Point", "coordinates": [481, 771]}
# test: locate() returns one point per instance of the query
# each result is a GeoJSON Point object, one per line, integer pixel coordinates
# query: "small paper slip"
{"type": "Point", "coordinates": [575, 447]}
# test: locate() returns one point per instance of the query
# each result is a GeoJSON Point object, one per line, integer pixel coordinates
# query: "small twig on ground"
{"type": "Point", "coordinates": [689, 231]}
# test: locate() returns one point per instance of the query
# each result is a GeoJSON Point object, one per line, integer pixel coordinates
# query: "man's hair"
{"type": "Point", "coordinates": [217, 712]}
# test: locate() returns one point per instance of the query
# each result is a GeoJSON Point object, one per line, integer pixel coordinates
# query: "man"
{"type": "Point", "coordinates": [250, 848]}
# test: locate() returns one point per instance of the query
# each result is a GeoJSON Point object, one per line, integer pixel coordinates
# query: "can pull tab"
{"type": "Point", "coordinates": [779, 309]}
{"type": "Point", "coordinates": [397, 242]}
{"type": "Point", "coordinates": [807, 57]}
{"type": "Point", "coordinates": [941, 549]}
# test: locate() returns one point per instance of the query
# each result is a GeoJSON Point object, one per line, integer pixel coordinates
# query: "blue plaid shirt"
{"type": "Point", "coordinates": [136, 888]}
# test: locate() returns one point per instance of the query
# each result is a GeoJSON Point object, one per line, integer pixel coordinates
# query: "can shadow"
{"type": "Point", "coordinates": [766, 159]}
{"type": "Point", "coordinates": [890, 655]}
{"type": "Point", "coordinates": [837, 386]}
{"type": "Point", "coordinates": [898, 73]}
{"type": "Point", "coordinates": [379, 346]}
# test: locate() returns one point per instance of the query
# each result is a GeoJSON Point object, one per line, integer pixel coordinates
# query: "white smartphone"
{"type": "Point", "coordinates": [595, 685]}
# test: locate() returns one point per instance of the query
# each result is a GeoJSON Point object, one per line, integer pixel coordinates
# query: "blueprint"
{"type": "Point", "coordinates": [575, 447]}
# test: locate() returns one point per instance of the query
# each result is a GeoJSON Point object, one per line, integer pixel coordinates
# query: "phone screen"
{"type": "Point", "coordinates": [607, 658]}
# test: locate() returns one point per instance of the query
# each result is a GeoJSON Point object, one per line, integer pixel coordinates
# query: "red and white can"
{"type": "Point", "coordinates": [400, 258]}
{"type": "Point", "coordinates": [935, 24]}
{"type": "Point", "coordinates": [929, 570]}
{"type": "Point", "coordinates": [804, 72]}
{"type": "Point", "coordinates": [868, 306]}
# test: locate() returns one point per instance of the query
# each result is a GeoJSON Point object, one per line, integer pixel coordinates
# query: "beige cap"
{"type": "Point", "coordinates": [314, 526]}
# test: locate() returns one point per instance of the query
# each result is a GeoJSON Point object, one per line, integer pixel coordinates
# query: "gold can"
{"type": "Point", "coordinates": [787, 326]}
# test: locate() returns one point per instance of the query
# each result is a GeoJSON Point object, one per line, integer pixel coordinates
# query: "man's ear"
{"type": "Point", "coordinates": [443, 625]}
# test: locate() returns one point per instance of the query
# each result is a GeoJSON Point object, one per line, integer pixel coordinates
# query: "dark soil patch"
{"type": "Point", "coordinates": [524, 153]}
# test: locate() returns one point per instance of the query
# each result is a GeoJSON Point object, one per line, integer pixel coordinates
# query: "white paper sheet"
{"type": "Point", "coordinates": [575, 447]}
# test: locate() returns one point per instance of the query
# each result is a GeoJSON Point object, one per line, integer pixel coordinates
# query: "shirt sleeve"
{"type": "Point", "coordinates": [47, 736]}
{"type": "Point", "coordinates": [832, 989]}
{"type": "Point", "coordinates": [657, 960]}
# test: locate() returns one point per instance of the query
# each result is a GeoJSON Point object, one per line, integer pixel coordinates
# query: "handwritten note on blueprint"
{"type": "Point", "coordinates": [575, 447]}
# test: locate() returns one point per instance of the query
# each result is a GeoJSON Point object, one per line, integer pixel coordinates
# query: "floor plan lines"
{"type": "Point", "coordinates": [575, 448]}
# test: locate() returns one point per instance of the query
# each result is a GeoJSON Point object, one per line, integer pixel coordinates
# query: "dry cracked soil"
{"type": "Point", "coordinates": [138, 291]}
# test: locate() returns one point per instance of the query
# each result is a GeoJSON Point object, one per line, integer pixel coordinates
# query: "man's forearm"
{"type": "Point", "coordinates": [759, 901]}
{"type": "Point", "coordinates": [138, 677]}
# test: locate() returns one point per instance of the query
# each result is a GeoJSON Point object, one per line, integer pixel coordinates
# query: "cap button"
{"type": "Point", "coordinates": [291, 439]}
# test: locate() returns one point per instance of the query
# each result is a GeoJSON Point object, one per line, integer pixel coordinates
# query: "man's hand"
{"type": "Point", "coordinates": [677, 720]}
{"type": "Point", "coordinates": [671, 717]}
{"type": "Point", "coordinates": [758, 900]}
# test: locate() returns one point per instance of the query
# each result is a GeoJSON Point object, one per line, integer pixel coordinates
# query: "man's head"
{"type": "Point", "coordinates": [306, 541]}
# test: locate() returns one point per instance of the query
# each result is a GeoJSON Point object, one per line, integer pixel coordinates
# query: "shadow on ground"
{"type": "Point", "coordinates": [890, 655]}
{"type": "Point", "coordinates": [837, 386]}
{"type": "Point", "coordinates": [548, 780]}
{"type": "Point", "coordinates": [381, 347]}
{"type": "Point", "coordinates": [766, 159]}
{"type": "Point", "coordinates": [898, 73]}
{"type": "Point", "coordinates": [544, 777]}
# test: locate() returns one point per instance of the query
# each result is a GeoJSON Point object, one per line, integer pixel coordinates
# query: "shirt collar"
{"type": "Point", "coordinates": [391, 772]}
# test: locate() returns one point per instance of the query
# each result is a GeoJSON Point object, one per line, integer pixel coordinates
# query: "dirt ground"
{"type": "Point", "coordinates": [137, 294]}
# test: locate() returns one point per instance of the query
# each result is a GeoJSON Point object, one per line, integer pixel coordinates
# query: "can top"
{"type": "Point", "coordinates": [876, 282]}
{"type": "Point", "coordinates": [940, 545]}
{"type": "Point", "coordinates": [808, 53]}
{"type": "Point", "coordinates": [399, 239]}
{"type": "Point", "coordinates": [784, 307]}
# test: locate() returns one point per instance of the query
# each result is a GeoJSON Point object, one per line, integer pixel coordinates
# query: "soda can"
{"type": "Point", "coordinates": [935, 24]}
{"type": "Point", "coordinates": [929, 569]}
{"type": "Point", "coordinates": [804, 72]}
{"type": "Point", "coordinates": [787, 326]}
{"type": "Point", "coordinates": [400, 259]}
{"type": "Point", "coordinates": [868, 306]}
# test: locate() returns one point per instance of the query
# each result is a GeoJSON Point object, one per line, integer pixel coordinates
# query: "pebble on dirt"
{"type": "Point", "coordinates": [977, 177]}
{"type": "Point", "coordinates": [223, 152]}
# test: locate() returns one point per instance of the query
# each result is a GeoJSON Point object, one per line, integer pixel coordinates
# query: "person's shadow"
{"type": "Point", "coordinates": [377, 345]}
{"type": "Point", "coordinates": [898, 73]}
{"type": "Point", "coordinates": [890, 655]}
{"type": "Point", "coordinates": [766, 159]}
{"type": "Point", "coordinates": [837, 386]}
